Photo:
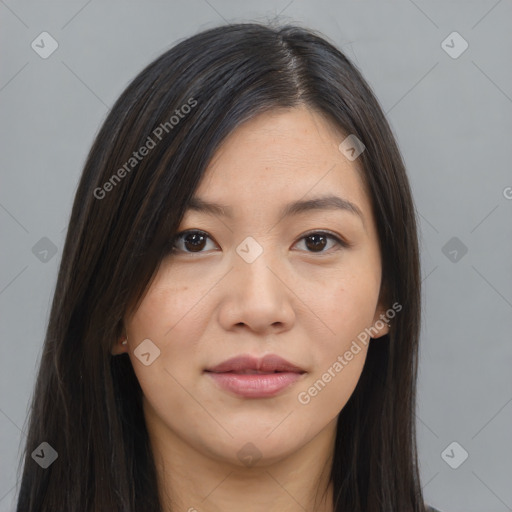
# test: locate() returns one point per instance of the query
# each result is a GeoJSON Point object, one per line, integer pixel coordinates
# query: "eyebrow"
{"type": "Point", "coordinates": [329, 202]}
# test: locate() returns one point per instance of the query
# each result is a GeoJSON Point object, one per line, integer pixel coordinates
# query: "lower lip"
{"type": "Point", "coordinates": [254, 385]}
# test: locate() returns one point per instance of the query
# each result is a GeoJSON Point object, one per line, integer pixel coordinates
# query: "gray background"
{"type": "Point", "coordinates": [451, 116]}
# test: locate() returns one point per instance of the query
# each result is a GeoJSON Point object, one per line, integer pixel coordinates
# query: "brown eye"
{"type": "Point", "coordinates": [316, 242]}
{"type": "Point", "coordinates": [191, 241]}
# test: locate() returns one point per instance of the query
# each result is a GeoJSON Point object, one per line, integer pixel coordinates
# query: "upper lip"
{"type": "Point", "coordinates": [268, 363]}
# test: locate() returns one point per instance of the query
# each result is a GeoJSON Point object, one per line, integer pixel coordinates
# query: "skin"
{"type": "Point", "coordinates": [305, 306]}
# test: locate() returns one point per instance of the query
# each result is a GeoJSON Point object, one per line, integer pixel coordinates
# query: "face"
{"type": "Point", "coordinates": [260, 281]}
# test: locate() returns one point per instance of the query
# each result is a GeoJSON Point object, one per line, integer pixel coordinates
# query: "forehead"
{"type": "Point", "coordinates": [279, 157]}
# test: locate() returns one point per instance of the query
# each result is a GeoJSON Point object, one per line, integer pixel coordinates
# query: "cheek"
{"type": "Point", "coordinates": [348, 302]}
{"type": "Point", "coordinates": [171, 309]}
{"type": "Point", "coordinates": [171, 317]}
{"type": "Point", "coordinates": [347, 308]}
{"type": "Point", "coordinates": [326, 392]}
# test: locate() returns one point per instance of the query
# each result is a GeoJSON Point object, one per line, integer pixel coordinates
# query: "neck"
{"type": "Point", "coordinates": [190, 480]}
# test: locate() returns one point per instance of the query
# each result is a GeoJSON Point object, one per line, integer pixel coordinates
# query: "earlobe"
{"type": "Point", "coordinates": [381, 324]}
{"type": "Point", "coordinates": [120, 347]}
{"type": "Point", "coordinates": [385, 328]}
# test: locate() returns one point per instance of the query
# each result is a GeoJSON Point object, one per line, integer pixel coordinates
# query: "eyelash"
{"type": "Point", "coordinates": [339, 241]}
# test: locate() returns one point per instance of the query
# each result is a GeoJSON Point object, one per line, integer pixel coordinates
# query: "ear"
{"type": "Point", "coordinates": [119, 348]}
{"type": "Point", "coordinates": [380, 325]}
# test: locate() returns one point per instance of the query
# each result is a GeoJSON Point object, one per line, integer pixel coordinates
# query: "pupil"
{"type": "Point", "coordinates": [317, 245]}
{"type": "Point", "coordinates": [197, 243]}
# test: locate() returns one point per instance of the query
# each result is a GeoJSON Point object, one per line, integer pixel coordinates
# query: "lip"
{"type": "Point", "coordinates": [268, 363]}
{"type": "Point", "coordinates": [252, 377]}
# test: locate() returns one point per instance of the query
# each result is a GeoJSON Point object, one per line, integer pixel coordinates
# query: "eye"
{"type": "Point", "coordinates": [316, 241]}
{"type": "Point", "coordinates": [194, 241]}
{"type": "Point", "coordinates": [190, 241]}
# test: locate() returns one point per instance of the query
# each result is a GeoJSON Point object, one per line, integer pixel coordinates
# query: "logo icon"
{"type": "Point", "coordinates": [249, 250]}
{"type": "Point", "coordinates": [249, 454]}
{"type": "Point", "coordinates": [454, 455]}
{"type": "Point", "coordinates": [351, 147]}
{"type": "Point", "coordinates": [44, 455]}
{"type": "Point", "coordinates": [454, 45]}
{"type": "Point", "coordinates": [147, 352]}
{"type": "Point", "coordinates": [44, 250]}
{"type": "Point", "coordinates": [44, 45]}
{"type": "Point", "coordinates": [454, 249]}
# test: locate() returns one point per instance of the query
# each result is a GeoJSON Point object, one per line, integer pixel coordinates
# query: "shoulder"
{"type": "Point", "coordinates": [431, 509]}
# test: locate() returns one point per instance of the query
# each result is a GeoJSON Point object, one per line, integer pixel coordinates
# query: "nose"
{"type": "Point", "coordinates": [257, 297]}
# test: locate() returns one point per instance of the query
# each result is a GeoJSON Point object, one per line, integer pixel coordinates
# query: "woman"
{"type": "Point", "coordinates": [236, 318]}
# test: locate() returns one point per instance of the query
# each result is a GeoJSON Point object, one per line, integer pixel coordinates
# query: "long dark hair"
{"type": "Point", "coordinates": [87, 404]}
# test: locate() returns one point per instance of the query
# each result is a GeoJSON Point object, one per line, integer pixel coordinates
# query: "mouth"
{"type": "Point", "coordinates": [270, 363]}
{"type": "Point", "coordinates": [249, 372]}
{"type": "Point", "coordinates": [249, 377]}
